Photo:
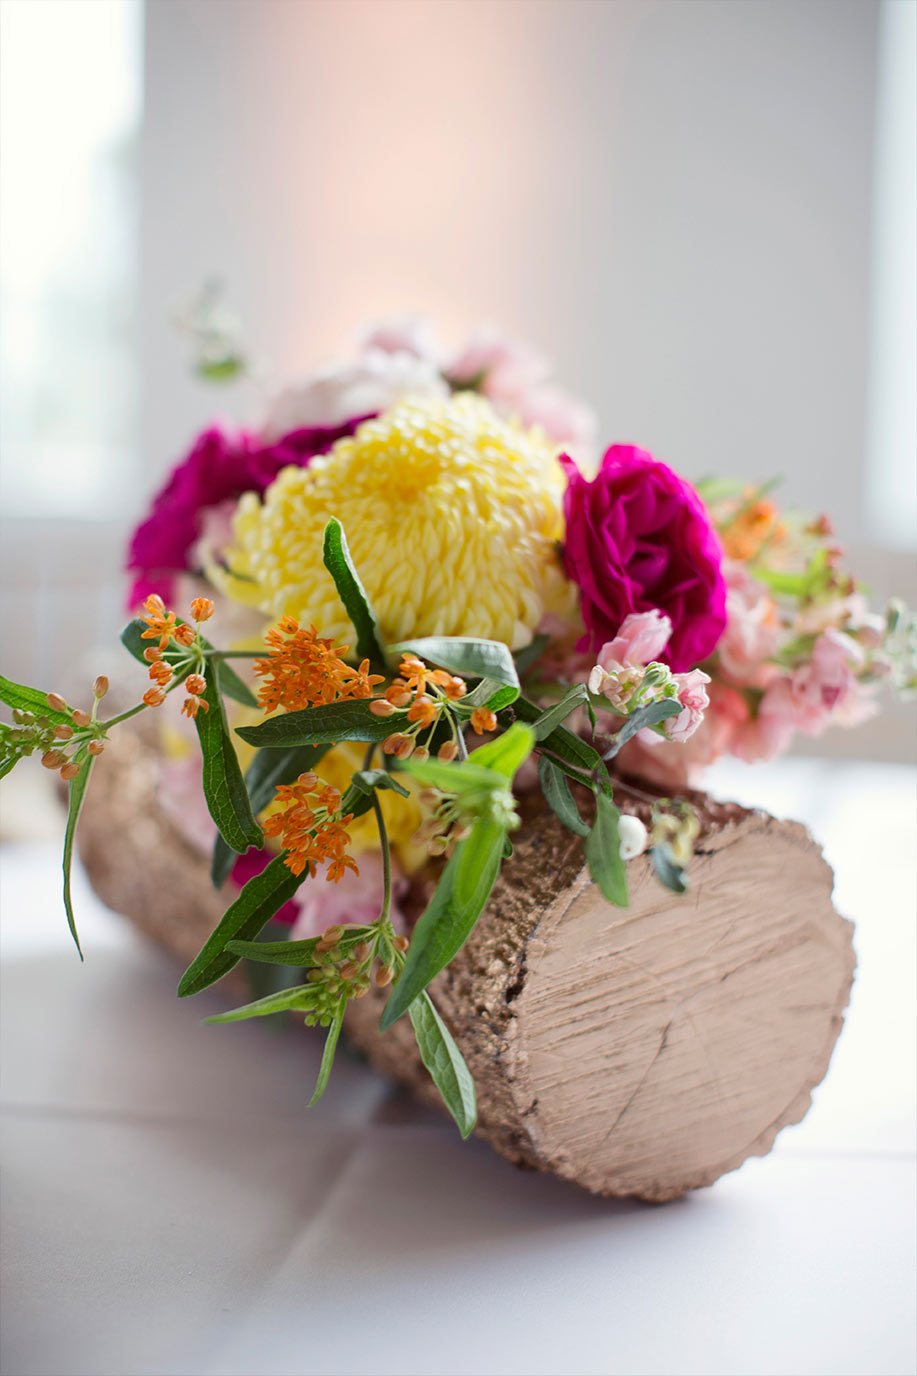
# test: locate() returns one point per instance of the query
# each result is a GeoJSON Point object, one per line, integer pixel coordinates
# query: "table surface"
{"type": "Point", "coordinates": [172, 1209]}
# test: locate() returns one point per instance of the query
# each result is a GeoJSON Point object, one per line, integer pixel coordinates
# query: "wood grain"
{"type": "Point", "coordinates": [641, 1051]}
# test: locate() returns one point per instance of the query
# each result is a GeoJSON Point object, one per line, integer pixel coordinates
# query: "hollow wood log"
{"type": "Point", "coordinates": [641, 1051]}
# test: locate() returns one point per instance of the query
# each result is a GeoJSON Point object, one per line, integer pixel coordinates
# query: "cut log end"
{"type": "Point", "coordinates": [641, 1051]}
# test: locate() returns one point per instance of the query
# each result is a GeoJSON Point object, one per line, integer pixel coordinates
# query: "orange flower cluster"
{"type": "Point", "coordinates": [409, 691]}
{"type": "Point", "coordinates": [310, 827]}
{"type": "Point", "coordinates": [755, 524]}
{"type": "Point", "coordinates": [302, 670]}
{"type": "Point", "coordinates": [162, 626]}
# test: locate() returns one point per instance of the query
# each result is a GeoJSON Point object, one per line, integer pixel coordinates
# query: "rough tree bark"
{"type": "Point", "coordinates": [640, 1051]}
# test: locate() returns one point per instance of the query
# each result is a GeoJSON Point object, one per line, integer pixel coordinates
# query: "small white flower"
{"type": "Point", "coordinates": [632, 836]}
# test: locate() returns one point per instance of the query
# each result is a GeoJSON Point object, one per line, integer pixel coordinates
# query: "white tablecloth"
{"type": "Point", "coordinates": [170, 1206]}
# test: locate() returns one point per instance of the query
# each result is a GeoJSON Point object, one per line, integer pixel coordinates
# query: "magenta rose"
{"type": "Point", "coordinates": [638, 539]}
{"type": "Point", "coordinates": [219, 466]}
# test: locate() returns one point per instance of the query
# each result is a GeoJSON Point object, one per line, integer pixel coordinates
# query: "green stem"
{"type": "Point", "coordinates": [114, 721]}
{"type": "Point", "coordinates": [386, 863]}
{"type": "Point", "coordinates": [235, 654]}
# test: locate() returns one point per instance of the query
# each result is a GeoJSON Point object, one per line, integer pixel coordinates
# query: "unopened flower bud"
{"type": "Point", "coordinates": [447, 751]}
{"type": "Point", "coordinates": [56, 702]}
{"type": "Point", "coordinates": [405, 748]}
{"type": "Point", "coordinates": [632, 836]}
{"type": "Point", "coordinates": [381, 708]}
{"type": "Point", "coordinates": [196, 683]}
{"type": "Point", "coordinates": [361, 950]}
{"type": "Point", "coordinates": [400, 943]}
{"type": "Point", "coordinates": [54, 759]}
{"type": "Point", "coordinates": [100, 687]}
{"type": "Point", "coordinates": [81, 718]}
{"type": "Point", "coordinates": [96, 747]}
{"type": "Point", "coordinates": [151, 654]}
{"type": "Point", "coordinates": [202, 609]}
{"type": "Point", "coordinates": [384, 975]}
{"type": "Point", "coordinates": [62, 732]}
{"type": "Point", "coordinates": [348, 970]}
{"type": "Point", "coordinates": [360, 991]}
{"type": "Point", "coordinates": [421, 753]}
{"type": "Point", "coordinates": [331, 935]}
{"type": "Point", "coordinates": [154, 697]}
{"type": "Point", "coordinates": [184, 634]}
{"type": "Point", "coordinates": [70, 770]}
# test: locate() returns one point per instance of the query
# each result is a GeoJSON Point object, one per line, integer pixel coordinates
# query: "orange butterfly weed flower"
{"type": "Point", "coordinates": [310, 827]}
{"type": "Point", "coordinates": [160, 623]}
{"type": "Point", "coordinates": [303, 670]}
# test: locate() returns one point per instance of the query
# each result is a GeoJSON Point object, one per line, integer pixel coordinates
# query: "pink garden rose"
{"type": "Point", "coordinates": [638, 538]}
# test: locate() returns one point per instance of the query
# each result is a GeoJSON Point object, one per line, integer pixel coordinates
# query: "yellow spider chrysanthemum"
{"type": "Point", "coordinates": [452, 516]}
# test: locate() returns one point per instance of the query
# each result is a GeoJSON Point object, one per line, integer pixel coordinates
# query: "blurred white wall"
{"type": "Point", "coordinates": [671, 197]}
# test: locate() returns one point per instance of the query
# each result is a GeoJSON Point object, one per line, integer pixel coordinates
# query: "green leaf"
{"type": "Point", "coordinates": [603, 852]}
{"type": "Point", "coordinates": [350, 590]}
{"type": "Point", "coordinates": [507, 752]}
{"type": "Point", "coordinates": [224, 788]}
{"type": "Point", "coordinates": [575, 757]}
{"type": "Point", "coordinates": [445, 1063]}
{"type": "Point", "coordinates": [300, 953]}
{"type": "Point", "coordinates": [489, 693]}
{"type": "Point", "coordinates": [456, 776]}
{"type": "Point", "coordinates": [667, 871]}
{"type": "Point", "coordinates": [559, 798]}
{"type": "Point", "coordinates": [262, 896]}
{"type": "Point", "coordinates": [77, 793]}
{"type": "Point", "coordinates": [331, 1041]}
{"type": "Point", "coordinates": [461, 895]}
{"type": "Point", "coordinates": [283, 1000]}
{"type": "Point", "coordinates": [267, 771]}
{"type": "Point", "coordinates": [650, 715]}
{"type": "Point", "coordinates": [531, 653]}
{"type": "Point", "coordinates": [487, 659]}
{"type": "Point", "coordinates": [231, 686]}
{"type": "Point", "coordinates": [368, 780]}
{"type": "Point", "coordinates": [553, 716]}
{"type": "Point", "coordinates": [30, 700]}
{"type": "Point", "coordinates": [323, 725]}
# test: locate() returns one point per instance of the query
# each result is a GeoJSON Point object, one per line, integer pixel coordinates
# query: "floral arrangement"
{"type": "Point", "coordinates": [438, 600]}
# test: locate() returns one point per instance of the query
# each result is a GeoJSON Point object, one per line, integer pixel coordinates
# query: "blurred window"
{"type": "Point", "coordinates": [70, 107]}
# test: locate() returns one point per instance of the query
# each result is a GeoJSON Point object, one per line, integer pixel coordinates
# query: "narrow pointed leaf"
{"type": "Point", "coordinates": [331, 1041]}
{"type": "Point", "coordinates": [300, 953]}
{"type": "Point", "coordinates": [224, 788]}
{"type": "Point", "coordinates": [30, 700]}
{"type": "Point", "coordinates": [352, 593]}
{"type": "Point", "coordinates": [281, 1001]}
{"type": "Point", "coordinates": [574, 756]}
{"type": "Point", "coordinates": [507, 752]}
{"type": "Point", "coordinates": [603, 852]}
{"type": "Point", "coordinates": [445, 1063]}
{"type": "Point", "coordinates": [461, 895]}
{"type": "Point", "coordinates": [553, 716]}
{"type": "Point", "coordinates": [490, 693]}
{"type": "Point", "coordinates": [243, 920]}
{"type": "Point", "coordinates": [650, 715]}
{"type": "Point", "coordinates": [323, 725]}
{"type": "Point", "coordinates": [559, 798]}
{"type": "Point", "coordinates": [77, 792]}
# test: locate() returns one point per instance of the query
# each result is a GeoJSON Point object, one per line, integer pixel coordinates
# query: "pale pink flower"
{"type": "Point", "coordinates": [752, 626]}
{"type": "Point", "coordinates": [641, 638]}
{"type": "Point", "coordinates": [692, 694]}
{"type": "Point", "coordinates": [401, 334]}
{"type": "Point", "coordinates": [851, 611]}
{"type": "Point", "coordinates": [342, 392]}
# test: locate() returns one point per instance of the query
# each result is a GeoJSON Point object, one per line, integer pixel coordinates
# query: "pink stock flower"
{"type": "Point", "coordinates": [356, 898]}
{"type": "Point", "coordinates": [752, 629]}
{"type": "Point", "coordinates": [692, 694]}
{"type": "Point", "coordinates": [642, 638]}
{"type": "Point", "coordinates": [638, 538]}
{"type": "Point", "coordinates": [363, 387]}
